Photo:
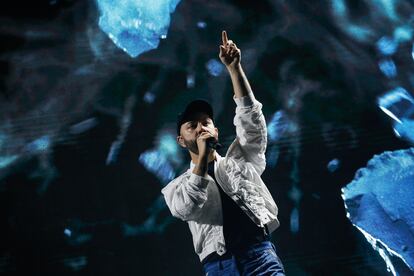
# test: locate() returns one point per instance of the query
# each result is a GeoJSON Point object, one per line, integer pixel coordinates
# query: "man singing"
{"type": "Point", "coordinates": [228, 208]}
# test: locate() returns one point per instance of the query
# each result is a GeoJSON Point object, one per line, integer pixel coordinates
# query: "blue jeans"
{"type": "Point", "coordinates": [259, 260]}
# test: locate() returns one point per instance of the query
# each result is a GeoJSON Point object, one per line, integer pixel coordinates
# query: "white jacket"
{"type": "Point", "coordinates": [196, 199]}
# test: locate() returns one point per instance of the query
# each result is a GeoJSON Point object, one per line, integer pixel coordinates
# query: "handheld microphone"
{"type": "Point", "coordinates": [214, 144]}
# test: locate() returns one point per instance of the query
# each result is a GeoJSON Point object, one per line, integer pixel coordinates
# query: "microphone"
{"type": "Point", "coordinates": [213, 144]}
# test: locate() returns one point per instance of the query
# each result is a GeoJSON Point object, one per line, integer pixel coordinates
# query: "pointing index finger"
{"type": "Point", "coordinates": [224, 38]}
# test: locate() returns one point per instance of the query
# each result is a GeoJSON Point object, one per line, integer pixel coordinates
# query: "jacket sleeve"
{"type": "Point", "coordinates": [186, 195]}
{"type": "Point", "coordinates": [251, 140]}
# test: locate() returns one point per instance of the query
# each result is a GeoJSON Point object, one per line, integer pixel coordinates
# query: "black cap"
{"type": "Point", "coordinates": [192, 108]}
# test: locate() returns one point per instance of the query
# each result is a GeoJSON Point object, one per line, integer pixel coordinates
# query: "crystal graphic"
{"type": "Point", "coordinates": [380, 203]}
{"type": "Point", "coordinates": [399, 105]}
{"type": "Point", "coordinates": [136, 26]}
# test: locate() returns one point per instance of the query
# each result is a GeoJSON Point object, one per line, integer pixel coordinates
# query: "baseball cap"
{"type": "Point", "coordinates": [193, 107]}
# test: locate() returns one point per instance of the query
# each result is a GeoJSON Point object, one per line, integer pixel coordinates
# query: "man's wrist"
{"type": "Point", "coordinates": [234, 69]}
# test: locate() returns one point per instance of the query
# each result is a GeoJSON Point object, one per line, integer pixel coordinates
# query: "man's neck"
{"type": "Point", "coordinates": [211, 157]}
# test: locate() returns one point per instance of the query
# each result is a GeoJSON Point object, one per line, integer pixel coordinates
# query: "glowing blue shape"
{"type": "Point", "coordinates": [149, 97]}
{"type": "Point", "coordinates": [67, 232]}
{"type": "Point", "coordinates": [214, 67]}
{"type": "Point", "coordinates": [76, 263]}
{"type": "Point", "coordinates": [272, 155]}
{"type": "Point", "coordinates": [388, 68]}
{"type": "Point", "coordinates": [84, 70]}
{"type": "Point", "coordinates": [79, 239]}
{"type": "Point", "coordinates": [396, 103]}
{"type": "Point", "coordinates": [399, 105]}
{"type": "Point", "coordinates": [83, 126]}
{"type": "Point", "coordinates": [340, 11]}
{"type": "Point", "coordinates": [113, 152]}
{"type": "Point", "coordinates": [403, 33]}
{"type": "Point", "coordinates": [130, 230]}
{"type": "Point", "coordinates": [190, 80]}
{"type": "Point", "coordinates": [388, 8]}
{"type": "Point", "coordinates": [124, 124]}
{"type": "Point", "coordinates": [294, 220]}
{"type": "Point", "coordinates": [333, 165]}
{"type": "Point", "coordinates": [38, 145]}
{"type": "Point", "coordinates": [276, 126]}
{"type": "Point", "coordinates": [279, 126]}
{"type": "Point", "coordinates": [412, 51]}
{"type": "Point", "coordinates": [405, 130]}
{"type": "Point", "coordinates": [339, 7]}
{"type": "Point", "coordinates": [201, 24]}
{"type": "Point", "coordinates": [153, 224]}
{"type": "Point", "coordinates": [157, 163]}
{"type": "Point", "coordinates": [380, 203]}
{"type": "Point", "coordinates": [148, 227]}
{"type": "Point", "coordinates": [136, 26]}
{"type": "Point", "coordinates": [295, 194]}
{"type": "Point", "coordinates": [168, 145]}
{"type": "Point", "coordinates": [358, 32]}
{"type": "Point", "coordinates": [7, 160]}
{"type": "Point", "coordinates": [387, 46]}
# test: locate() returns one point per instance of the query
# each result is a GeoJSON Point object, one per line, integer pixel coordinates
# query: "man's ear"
{"type": "Point", "coordinates": [180, 141]}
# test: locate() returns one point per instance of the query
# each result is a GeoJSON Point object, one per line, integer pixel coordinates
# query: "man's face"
{"type": "Point", "coordinates": [191, 129]}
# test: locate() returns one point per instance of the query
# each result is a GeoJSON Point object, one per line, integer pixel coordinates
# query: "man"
{"type": "Point", "coordinates": [229, 209]}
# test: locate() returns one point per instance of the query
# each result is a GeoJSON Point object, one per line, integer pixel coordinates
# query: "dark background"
{"type": "Point", "coordinates": [65, 210]}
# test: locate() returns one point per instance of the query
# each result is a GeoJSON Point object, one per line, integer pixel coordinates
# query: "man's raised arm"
{"type": "Point", "coordinates": [230, 56]}
{"type": "Point", "coordinates": [251, 141]}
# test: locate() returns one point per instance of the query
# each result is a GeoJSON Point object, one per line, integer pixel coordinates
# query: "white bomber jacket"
{"type": "Point", "coordinates": [196, 199]}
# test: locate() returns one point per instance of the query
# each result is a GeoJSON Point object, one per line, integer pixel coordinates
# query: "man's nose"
{"type": "Point", "coordinates": [199, 128]}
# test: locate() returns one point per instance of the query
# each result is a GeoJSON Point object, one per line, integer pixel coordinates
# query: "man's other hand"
{"type": "Point", "coordinates": [229, 53]}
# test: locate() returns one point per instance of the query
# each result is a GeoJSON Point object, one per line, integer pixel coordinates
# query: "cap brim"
{"type": "Point", "coordinates": [196, 106]}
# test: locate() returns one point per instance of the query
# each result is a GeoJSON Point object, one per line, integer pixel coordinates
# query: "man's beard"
{"type": "Point", "coordinates": [191, 146]}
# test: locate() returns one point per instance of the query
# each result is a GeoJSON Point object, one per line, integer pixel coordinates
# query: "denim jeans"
{"type": "Point", "coordinates": [259, 260]}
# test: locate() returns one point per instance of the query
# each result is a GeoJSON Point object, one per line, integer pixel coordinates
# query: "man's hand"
{"type": "Point", "coordinates": [203, 149]}
{"type": "Point", "coordinates": [229, 53]}
{"type": "Point", "coordinates": [230, 56]}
